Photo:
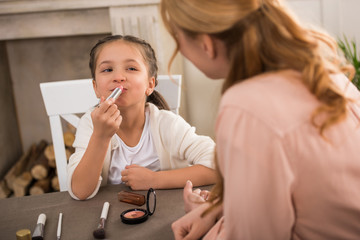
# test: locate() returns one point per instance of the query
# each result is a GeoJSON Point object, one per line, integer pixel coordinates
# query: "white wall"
{"type": "Point", "coordinates": [350, 19]}
{"type": "Point", "coordinates": [337, 17]}
{"type": "Point", "coordinates": [203, 96]}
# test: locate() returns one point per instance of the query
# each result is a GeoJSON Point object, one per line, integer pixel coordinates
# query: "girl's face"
{"type": "Point", "coordinates": [121, 64]}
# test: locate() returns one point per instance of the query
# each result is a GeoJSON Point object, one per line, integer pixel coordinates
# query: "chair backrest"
{"type": "Point", "coordinates": [65, 99]}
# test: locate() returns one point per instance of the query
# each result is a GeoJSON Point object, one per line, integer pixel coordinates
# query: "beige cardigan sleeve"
{"type": "Point", "coordinates": [83, 135]}
{"type": "Point", "coordinates": [177, 143]}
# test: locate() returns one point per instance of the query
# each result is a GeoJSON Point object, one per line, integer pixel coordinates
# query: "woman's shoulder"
{"type": "Point", "coordinates": [278, 98]}
{"type": "Point", "coordinates": [267, 85]}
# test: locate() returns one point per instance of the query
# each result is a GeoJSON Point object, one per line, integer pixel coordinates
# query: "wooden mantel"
{"type": "Point", "coordinates": [59, 18]}
{"type": "Point", "coordinates": [16, 7]}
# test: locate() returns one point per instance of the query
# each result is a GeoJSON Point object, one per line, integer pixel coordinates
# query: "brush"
{"type": "Point", "coordinates": [39, 229]}
{"type": "Point", "coordinates": [99, 233]}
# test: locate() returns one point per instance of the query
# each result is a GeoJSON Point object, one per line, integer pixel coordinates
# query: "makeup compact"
{"type": "Point", "coordinates": [139, 215]}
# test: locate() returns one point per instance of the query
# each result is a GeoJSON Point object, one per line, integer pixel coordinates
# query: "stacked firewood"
{"type": "Point", "coordinates": [35, 172]}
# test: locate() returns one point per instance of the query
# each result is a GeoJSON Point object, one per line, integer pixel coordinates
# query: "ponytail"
{"type": "Point", "coordinates": [158, 100]}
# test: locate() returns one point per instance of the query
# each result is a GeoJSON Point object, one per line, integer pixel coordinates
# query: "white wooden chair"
{"type": "Point", "coordinates": [65, 99]}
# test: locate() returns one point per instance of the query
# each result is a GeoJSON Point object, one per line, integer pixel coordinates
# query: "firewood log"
{"type": "Point", "coordinates": [4, 190]}
{"type": "Point", "coordinates": [18, 168]}
{"type": "Point", "coordinates": [70, 128]}
{"type": "Point", "coordinates": [40, 187]}
{"type": "Point", "coordinates": [55, 183]}
{"type": "Point", "coordinates": [69, 152]}
{"type": "Point", "coordinates": [69, 138]}
{"type": "Point", "coordinates": [52, 163]}
{"type": "Point", "coordinates": [22, 183]}
{"type": "Point", "coordinates": [36, 154]}
{"type": "Point", "coordinates": [71, 149]}
{"type": "Point", "coordinates": [50, 155]}
{"type": "Point", "coordinates": [40, 168]}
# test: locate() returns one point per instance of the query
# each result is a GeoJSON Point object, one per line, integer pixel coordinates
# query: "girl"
{"type": "Point", "coordinates": [287, 130]}
{"type": "Point", "coordinates": [133, 140]}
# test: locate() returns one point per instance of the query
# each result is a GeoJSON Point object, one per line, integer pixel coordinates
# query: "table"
{"type": "Point", "coordinates": [81, 218]}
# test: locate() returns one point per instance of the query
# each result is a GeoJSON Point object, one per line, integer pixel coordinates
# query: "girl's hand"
{"type": "Point", "coordinates": [192, 225]}
{"type": "Point", "coordinates": [106, 118]}
{"type": "Point", "coordinates": [137, 177]}
{"type": "Point", "coordinates": [193, 199]}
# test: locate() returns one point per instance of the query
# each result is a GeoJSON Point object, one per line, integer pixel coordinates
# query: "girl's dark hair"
{"type": "Point", "coordinates": [149, 56]}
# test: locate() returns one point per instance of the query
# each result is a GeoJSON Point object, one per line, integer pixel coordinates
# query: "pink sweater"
{"type": "Point", "coordinates": [282, 179]}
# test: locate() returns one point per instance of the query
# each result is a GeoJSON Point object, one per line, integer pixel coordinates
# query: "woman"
{"type": "Point", "coordinates": [288, 128]}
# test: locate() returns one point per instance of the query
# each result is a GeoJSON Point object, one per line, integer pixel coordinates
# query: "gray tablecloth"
{"type": "Point", "coordinates": [81, 218]}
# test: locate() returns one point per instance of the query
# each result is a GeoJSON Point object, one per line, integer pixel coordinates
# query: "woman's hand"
{"type": "Point", "coordinates": [106, 118]}
{"type": "Point", "coordinates": [193, 198]}
{"type": "Point", "coordinates": [137, 177]}
{"type": "Point", "coordinates": [192, 225]}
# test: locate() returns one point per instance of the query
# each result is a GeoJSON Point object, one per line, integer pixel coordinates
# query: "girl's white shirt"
{"type": "Point", "coordinates": [175, 141]}
{"type": "Point", "coordinates": [143, 154]}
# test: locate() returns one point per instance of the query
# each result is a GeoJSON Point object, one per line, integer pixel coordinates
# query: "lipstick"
{"type": "Point", "coordinates": [115, 94]}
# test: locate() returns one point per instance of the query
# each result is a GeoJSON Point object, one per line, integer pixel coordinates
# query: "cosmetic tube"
{"type": "Point", "coordinates": [115, 94]}
{"type": "Point", "coordinates": [23, 234]}
{"type": "Point", "coordinates": [132, 198]}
